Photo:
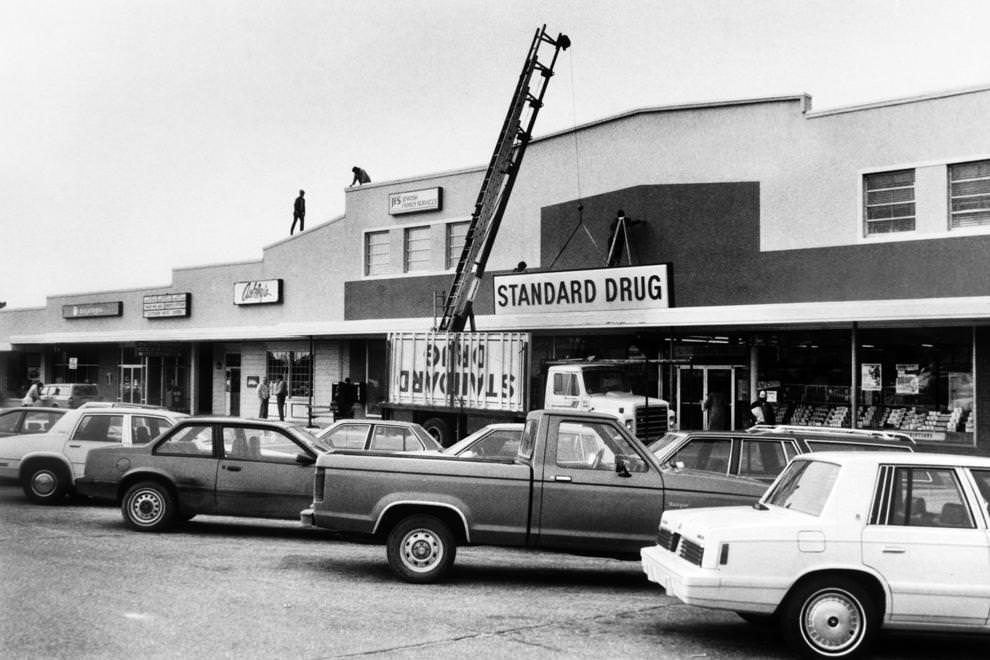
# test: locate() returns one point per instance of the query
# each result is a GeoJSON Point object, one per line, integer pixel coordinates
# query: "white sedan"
{"type": "Point", "coordinates": [840, 545]}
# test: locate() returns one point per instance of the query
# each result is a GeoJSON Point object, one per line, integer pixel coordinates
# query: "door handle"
{"type": "Point", "coordinates": [560, 477]}
{"type": "Point", "coordinates": [893, 550]}
{"type": "Point", "coordinates": [75, 446]}
{"type": "Point", "coordinates": [232, 468]}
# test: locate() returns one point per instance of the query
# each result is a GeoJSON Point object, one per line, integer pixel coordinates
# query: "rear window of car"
{"type": "Point", "coordinates": [86, 390]}
{"type": "Point", "coordinates": [804, 486]}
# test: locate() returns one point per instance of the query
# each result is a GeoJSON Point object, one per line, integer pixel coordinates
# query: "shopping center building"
{"type": "Point", "coordinates": [837, 259]}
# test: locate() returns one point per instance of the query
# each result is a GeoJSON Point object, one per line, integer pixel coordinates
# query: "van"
{"type": "Point", "coordinates": [69, 395]}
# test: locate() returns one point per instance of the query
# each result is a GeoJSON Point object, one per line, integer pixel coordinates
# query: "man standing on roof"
{"type": "Point", "coordinates": [299, 213]}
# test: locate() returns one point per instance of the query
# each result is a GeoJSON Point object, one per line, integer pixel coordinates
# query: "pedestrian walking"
{"type": "Point", "coordinates": [299, 213]}
{"type": "Point", "coordinates": [264, 393]}
{"type": "Point", "coordinates": [280, 392]}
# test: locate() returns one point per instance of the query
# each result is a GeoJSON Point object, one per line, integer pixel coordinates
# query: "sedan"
{"type": "Point", "coordinates": [495, 441]}
{"type": "Point", "coordinates": [842, 545]}
{"type": "Point", "coordinates": [207, 465]}
{"type": "Point", "coordinates": [28, 419]}
{"type": "Point", "coordinates": [379, 435]}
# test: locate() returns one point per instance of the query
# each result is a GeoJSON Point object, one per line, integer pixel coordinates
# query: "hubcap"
{"type": "Point", "coordinates": [832, 621]}
{"type": "Point", "coordinates": [43, 483]}
{"type": "Point", "coordinates": [146, 507]}
{"type": "Point", "coordinates": [421, 550]}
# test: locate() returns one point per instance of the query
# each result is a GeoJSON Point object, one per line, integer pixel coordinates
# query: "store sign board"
{"type": "Point", "coordinates": [166, 305]}
{"type": "Point", "coordinates": [414, 201]}
{"type": "Point", "coordinates": [258, 292]}
{"type": "Point", "coordinates": [604, 289]}
{"type": "Point", "coordinates": [93, 310]}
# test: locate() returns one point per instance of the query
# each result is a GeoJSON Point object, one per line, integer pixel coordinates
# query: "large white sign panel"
{"type": "Point", "coordinates": [414, 201]}
{"type": "Point", "coordinates": [605, 289]}
{"type": "Point", "coordinates": [258, 292]}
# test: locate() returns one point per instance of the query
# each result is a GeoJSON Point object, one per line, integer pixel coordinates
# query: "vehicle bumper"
{"type": "Point", "coordinates": [97, 490]}
{"type": "Point", "coordinates": [704, 587]}
{"type": "Point", "coordinates": [307, 518]}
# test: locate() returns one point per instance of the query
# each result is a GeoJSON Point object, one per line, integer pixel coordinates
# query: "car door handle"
{"type": "Point", "coordinates": [232, 468]}
{"type": "Point", "coordinates": [75, 446]}
{"type": "Point", "coordinates": [561, 477]}
{"type": "Point", "coordinates": [894, 549]}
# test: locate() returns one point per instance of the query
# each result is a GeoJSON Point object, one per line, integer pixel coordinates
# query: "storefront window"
{"type": "Point", "coordinates": [296, 367]}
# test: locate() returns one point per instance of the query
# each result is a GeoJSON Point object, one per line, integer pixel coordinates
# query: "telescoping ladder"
{"type": "Point", "coordinates": [497, 184]}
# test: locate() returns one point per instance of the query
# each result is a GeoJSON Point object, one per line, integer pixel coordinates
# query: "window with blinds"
{"type": "Point", "coordinates": [376, 257]}
{"type": "Point", "coordinates": [417, 248]}
{"type": "Point", "coordinates": [889, 202]}
{"type": "Point", "coordinates": [456, 235]}
{"type": "Point", "coordinates": [969, 194]}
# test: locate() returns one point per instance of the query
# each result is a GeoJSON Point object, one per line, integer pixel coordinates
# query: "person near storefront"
{"type": "Point", "coordinates": [264, 393]}
{"type": "Point", "coordinates": [33, 396]}
{"type": "Point", "coordinates": [280, 392]}
{"type": "Point", "coordinates": [760, 411]}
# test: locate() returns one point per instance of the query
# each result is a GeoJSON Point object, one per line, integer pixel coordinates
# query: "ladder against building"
{"type": "Point", "coordinates": [499, 179]}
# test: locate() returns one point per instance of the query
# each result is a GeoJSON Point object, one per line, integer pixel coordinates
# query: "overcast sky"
{"type": "Point", "coordinates": [139, 136]}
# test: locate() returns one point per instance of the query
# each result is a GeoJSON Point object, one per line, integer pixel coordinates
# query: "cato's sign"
{"type": "Point", "coordinates": [258, 292]}
{"type": "Point", "coordinates": [605, 289]}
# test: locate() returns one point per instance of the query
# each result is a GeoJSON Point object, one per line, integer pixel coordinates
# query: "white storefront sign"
{"type": "Point", "coordinates": [604, 289]}
{"type": "Point", "coordinates": [414, 201]}
{"type": "Point", "coordinates": [257, 292]}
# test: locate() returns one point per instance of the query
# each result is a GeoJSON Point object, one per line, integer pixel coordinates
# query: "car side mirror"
{"type": "Point", "coordinates": [622, 465]}
{"type": "Point", "coordinates": [305, 459]}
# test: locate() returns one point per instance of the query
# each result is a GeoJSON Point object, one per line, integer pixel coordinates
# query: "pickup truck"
{"type": "Point", "coordinates": [580, 483]}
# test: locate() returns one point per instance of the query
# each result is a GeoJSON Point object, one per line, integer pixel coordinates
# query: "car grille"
{"type": "Point", "coordinates": [692, 552]}
{"type": "Point", "coordinates": [667, 539]}
{"type": "Point", "coordinates": [651, 422]}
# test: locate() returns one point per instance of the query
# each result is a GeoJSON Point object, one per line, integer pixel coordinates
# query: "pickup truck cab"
{"type": "Point", "coordinates": [579, 483]}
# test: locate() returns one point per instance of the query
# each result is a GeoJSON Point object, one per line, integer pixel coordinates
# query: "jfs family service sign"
{"type": "Point", "coordinates": [605, 289]}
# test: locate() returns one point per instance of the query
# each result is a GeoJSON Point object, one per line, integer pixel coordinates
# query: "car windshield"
{"type": "Point", "coordinates": [668, 439]}
{"type": "Point", "coordinates": [804, 486]}
{"type": "Point", "coordinates": [303, 433]}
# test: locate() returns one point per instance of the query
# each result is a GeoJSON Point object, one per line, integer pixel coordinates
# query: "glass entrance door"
{"type": "Point", "coordinates": [706, 396]}
{"type": "Point", "coordinates": [132, 384]}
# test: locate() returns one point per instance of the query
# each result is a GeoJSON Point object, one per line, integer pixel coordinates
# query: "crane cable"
{"type": "Point", "coordinates": [577, 169]}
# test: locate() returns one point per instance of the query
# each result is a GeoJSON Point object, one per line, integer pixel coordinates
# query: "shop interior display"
{"type": "Point", "coordinates": [902, 418]}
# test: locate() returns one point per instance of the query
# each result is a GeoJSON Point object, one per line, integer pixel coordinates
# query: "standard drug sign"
{"type": "Point", "coordinates": [604, 289]}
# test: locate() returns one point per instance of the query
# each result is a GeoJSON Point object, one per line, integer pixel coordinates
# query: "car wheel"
{"type": "Point", "coordinates": [148, 506]}
{"type": "Point", "coordinates": [830, 618]}
{"type": "Point", "coordinates": [45, 483]}
{"type": "Point", "coordinates": [421, 549]}
{"type": "Point", "coordinates": [440, 430]}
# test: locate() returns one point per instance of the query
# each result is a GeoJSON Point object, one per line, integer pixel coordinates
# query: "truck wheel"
{"type": "Point", "coordinates": [830, 618]}
{"type": "Point", "coordinates": [45, 483]}
{"type": "Point", "coordinates": [421, 549]}
{"type": "Point", "coordinates": [440, 430]}
{"type": "Point", "coordinates": [148, 506]}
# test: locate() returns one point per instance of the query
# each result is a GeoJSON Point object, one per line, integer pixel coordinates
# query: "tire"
{"type": "Point", "coordinates": [45, 483]}
{"type": "Point", "coordinates": [149, 506]}
{"type": "Point", "coordinates": [421, 549]}
{"type": "Point", "coordinates": [830, 617]}
{"type": "Point", "coordinates": [440, 430]}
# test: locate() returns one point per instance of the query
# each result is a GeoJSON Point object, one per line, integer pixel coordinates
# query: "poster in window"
{"type": "Point", "coordinates": [871, 376]}
{"type": "Point", "coordinates": [907, 379]}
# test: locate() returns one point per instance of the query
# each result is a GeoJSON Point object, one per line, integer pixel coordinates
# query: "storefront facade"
{"type": "Point", "coordinates": [834, 259]}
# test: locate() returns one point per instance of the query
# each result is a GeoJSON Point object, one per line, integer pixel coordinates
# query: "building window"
{"type": "Point", "coordinates": [295, 367]}
{"type": "Point", "coordinates": [456, 235]}
{"type": "Point", "coordinates": [889, 202]}
{"type": "Point", "coordinates": [969, 194]}
{"type": "Point", "coordinates": [417, 248]}
{"type": "Point", "coordinates": [376, 255]}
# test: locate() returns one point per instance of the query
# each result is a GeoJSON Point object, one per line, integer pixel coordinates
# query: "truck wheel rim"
{"type": "Point", "coordinates": [832, 622]}
{"type": "Point", "coordinates": [422, 550]}
{"type": "Point", "coordinates": [44, 483]}
{"type": "Point", "coordinates": [146, 507]}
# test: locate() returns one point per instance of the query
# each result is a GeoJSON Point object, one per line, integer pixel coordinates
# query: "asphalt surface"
{"type": "Point", "coordinates": [76, 583]}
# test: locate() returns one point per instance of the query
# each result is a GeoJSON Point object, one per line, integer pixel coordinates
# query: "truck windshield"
{"type": "Point", "coordinates": [804, 486]}
{"type": "Point", "coordinates": [600, 381]}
